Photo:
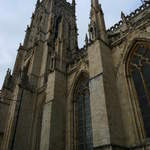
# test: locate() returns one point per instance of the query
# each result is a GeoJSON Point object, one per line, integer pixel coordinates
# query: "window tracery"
{"type": "Point", "coordinates": [139, 70]}
{"type": "Point", "coordinates": [82, 117]}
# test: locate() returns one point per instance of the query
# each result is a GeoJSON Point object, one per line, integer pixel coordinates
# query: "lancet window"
{"type": "Point", "coordinates": [82, 116]}
{"type": "Point", "coordinates": [139, 70]}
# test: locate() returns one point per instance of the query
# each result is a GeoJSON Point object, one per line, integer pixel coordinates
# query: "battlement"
{"type": "Point", "coordinates": [130, 17]}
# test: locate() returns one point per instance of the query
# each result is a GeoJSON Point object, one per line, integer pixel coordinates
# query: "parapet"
{"type": "Point", "coordinates": [131, 18]}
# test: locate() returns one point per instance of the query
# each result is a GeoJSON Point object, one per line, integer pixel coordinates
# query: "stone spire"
{"type": "Point", "coordinates": [19, 61]}
{"type": "Point", "coordinates": [97, 27]}
{"type": "Point", "coordinates": [123, 17]}
{"type": "Point", "coordinates": [73, 2]}
{"type": "Point", "coordinates": [38, 2]}
{"type": "Point", "coordinates": [94, 3]}
{"type": "Point", "coordinates": [126, 24]}
{"type": "Point", "coordinates": [7, 79]}
{"type": "Point", "coordinates": [86, 40]}
{"type": "Point", "coordinates": [74, 5]}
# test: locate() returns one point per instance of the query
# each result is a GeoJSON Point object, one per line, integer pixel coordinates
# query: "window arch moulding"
{"type": "Point", "coordinates": [137, 67]}
{"type": "Point", "coordinates": [82, 129]}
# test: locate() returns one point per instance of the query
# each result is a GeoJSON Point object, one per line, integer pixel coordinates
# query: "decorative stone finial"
{"type": "Point", "coordinates": [86, 40]}
{"type": "Point", "coordinates": [8, 71]}
{"type": "Point", "coordinates": [123, 17]}
{"type": "Point", "coordinates": [94, 3]}
{"type": "Point", "coordinates": [33, 15]}
{"type": "Point", "coordinates": [73, 2]}
{"type": "Point", "coordinates": [38, 2]}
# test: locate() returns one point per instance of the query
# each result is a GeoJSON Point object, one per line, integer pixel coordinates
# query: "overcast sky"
{"type": "Point", "coordinates": [15, 15]}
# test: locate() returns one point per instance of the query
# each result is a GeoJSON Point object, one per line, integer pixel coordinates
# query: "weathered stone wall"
{"type": "Point", "coordinates": [54, 113]}
{"type": "Point", "coordinates": [99, 114]}
{"type": "Point", "coordinates": [104, 97]}
{"type": "Point", "coordinates": [24, 120]}
{"type": "Point", "coordinates": [41, 115]}
{"type": "Point", "coordinates": [3, 116]}
{"type": "Point", "coordinates": [127, 101]}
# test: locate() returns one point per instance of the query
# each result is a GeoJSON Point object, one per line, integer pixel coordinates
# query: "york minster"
{"type": "Point", "coordinates": [62, 97]}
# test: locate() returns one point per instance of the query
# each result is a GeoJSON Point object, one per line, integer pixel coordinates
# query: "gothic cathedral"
{"type": "Point", "coordinates": [60, 97]}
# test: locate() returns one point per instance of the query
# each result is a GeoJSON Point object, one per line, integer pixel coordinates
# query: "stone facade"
{"type": "Point", "coordinates": [36, 100]}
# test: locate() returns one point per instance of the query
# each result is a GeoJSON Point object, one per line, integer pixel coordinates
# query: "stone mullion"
{"type": "Point", "coordinates": [140, 69]}
{"type": "Point", "coordinates": [84, 120]}
{"type": "Point", "coordinates": [75, 122]}
{"type": "Point", "coordinates": [139, 119]}
{"type": "Point", "coordinates": [76, 128]}
{"type": "Point", "coordinates": [145, 86]}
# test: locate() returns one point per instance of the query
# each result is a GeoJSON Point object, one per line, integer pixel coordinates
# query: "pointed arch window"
{"type": "Point", "coordinates": [82, 116]}
{"type": "Point", "coordinates": [139, 71]}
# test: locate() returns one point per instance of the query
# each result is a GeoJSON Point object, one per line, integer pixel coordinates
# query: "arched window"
{"type": "Point", "coordinates": [139, 71]}
{"type": "Point", "coordinates": [82, 116]}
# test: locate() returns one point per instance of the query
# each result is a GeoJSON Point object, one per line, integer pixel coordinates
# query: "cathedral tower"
{"type": "Point", "coordinates": [40, 78]}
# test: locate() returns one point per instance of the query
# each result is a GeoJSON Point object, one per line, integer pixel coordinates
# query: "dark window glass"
{"type": "Point", "coordinates": [58, 21]}
{"type": "Point", "coordinates": [83, 116]}
{"type": "Point", "coordinates": [140, 73]}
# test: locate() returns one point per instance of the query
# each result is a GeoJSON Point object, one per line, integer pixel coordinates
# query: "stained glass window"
{"type": "Point", "coordinates": [82, 117]}
{"type": "Point", "coordinates": [139, 69]}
